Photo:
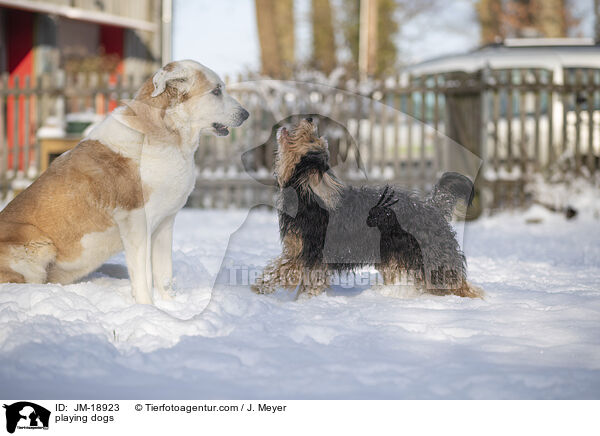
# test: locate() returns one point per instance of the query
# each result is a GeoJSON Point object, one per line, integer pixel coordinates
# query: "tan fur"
{"type": "Point", "coordinates": [172, 95]}
{"type": "Point", "coordinates": [288, 271]}
{"type": "Point", "coordinates": [314, 281]}
{"type": "Point", "coordinates": [90, 181]}
{"type": "Point", "coordinates": [396, 274]}
{"type": "Point", "coordinates": [284, 271]}
{"type": "Point", "coordinates": [9, 276]}
{"type": "Point", "coordinates": [390, 272]}
{"type": "Point", "coordinates": [91, 203]}
{"type": "Point", "coordinates": [469, 291]}
{"type": "Point", "coordinates": [147, 114]}
{"type": "Point", "coordinates": [325, 187]}
{"type": "Point", "coordinates": [292, 146]}
{"type": "Point", "coordinates": [295, 144]}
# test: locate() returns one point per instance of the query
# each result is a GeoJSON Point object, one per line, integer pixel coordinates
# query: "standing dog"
{"type": "Point", "coordinates": [120, 188]}
{"type": "Point", "coordinates": [328, 227]}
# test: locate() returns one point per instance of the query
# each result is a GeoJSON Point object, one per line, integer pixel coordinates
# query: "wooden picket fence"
{"type": "Point", "coordinates": [500, 127]}
{"type": "Point", "coordinates": [25, 104]}
{"type": "Point", "coordinates": [533, 124]}
{"type": "Point", "coordinates": [409, 130]}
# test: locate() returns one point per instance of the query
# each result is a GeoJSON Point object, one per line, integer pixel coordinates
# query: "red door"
{"type": "Point", "coordinates": [112, 43]}
{"type": "Point", "coordinates": [19, 42]}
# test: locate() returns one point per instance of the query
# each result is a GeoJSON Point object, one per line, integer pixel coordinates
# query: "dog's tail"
{"type": "Point", "coordinates": [451, 188]}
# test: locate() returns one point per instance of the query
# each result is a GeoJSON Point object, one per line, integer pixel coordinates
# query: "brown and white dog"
{"type": "Point", "coordinates": [120, 188]}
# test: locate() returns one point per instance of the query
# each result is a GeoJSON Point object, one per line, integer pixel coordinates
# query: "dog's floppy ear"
{"type": "Point", "coordinates": [170, 74]}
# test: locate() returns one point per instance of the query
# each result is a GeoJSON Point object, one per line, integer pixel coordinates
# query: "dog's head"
{"type": "Point", "coordinates": [300, 149]}
{"type": "Point", "coordinates": [192, 97]}
{"type": "Point", "coordinates": [303, 162]}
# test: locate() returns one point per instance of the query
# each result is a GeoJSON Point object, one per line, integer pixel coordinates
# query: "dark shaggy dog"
{"type": "Point", "coordinates": [328, 227]}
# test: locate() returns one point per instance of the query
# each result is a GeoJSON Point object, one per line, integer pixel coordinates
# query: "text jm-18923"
{"type": "Point", "coordinates": [91, 407]}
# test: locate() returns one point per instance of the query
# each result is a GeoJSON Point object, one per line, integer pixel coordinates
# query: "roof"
{"type": "Point", "coordinates": [548, 53]}
{"type": "Point", "coordinates": [76, 13]}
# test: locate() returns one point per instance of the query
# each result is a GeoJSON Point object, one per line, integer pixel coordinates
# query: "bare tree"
{"type": "Point", "coordinates": [390, 15]}
{"type": "Point", "coordinates": [552, 18]}
{"type": "Point", "coordinates": [275, 22]}
{"type": "Point", "coordinates": [597, 21]}
{"type": "Point", "coordinates": [489, 13]}
{"type": "Point", "coordinates": [323, 44]}
{"type": "Point", "coordinates": [525, 18]}
{"type": "Point", "coordinates": [284, 23]}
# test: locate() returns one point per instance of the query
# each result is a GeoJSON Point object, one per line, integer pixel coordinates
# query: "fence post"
{"type": "Point", "coordinates": [590, 114]}
{"type": "Point", "coordinates": [16, 111]}
{"type": "Point", "coordinates": [464, 102]}
{"type": "Point", "coordinates": [3, 141]}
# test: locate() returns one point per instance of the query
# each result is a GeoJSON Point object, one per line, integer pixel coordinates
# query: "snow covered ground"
{"type": "Point", "coordinates": [536, 335]}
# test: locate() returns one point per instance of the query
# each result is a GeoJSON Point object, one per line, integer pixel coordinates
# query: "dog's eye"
{"type": "Point", "coordinates": [216, 91]}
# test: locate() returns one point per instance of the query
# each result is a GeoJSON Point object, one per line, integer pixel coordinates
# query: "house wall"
{"type": "Point", "coordinates": [47, 57]}
{"type": "Point", "coordinates": [2, 42]}
{"type": "Point", "coordinates": [137, 9]}
{"type": "Point", "coordinates": [77, 38]}
{"type": "Point", "coordinates": [38, 41]}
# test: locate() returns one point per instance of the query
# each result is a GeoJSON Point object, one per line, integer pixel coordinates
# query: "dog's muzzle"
{"type": "Point", "coordinates": [241, 117]}
{"type": "Point", "coordinates": [220, 129]}
{"type": "Point", "coordinates": [223, 130]}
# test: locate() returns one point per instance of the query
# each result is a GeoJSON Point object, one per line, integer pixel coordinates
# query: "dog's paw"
{"type": "Point", "coordinates": [261, 289]}
{"type": "Point", "coordinates": [475, 292]}
{"type": "Point", "coordinates": [306, 292]}
{"type": "Point", "coordinates": [469, 291]}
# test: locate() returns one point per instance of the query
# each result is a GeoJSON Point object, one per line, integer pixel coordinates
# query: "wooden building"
{"type": "Point", "coordinates": [64, 42]}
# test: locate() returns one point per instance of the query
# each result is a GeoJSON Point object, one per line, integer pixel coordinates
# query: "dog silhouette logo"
{"type": "Point", "coordinates": [26, 415]}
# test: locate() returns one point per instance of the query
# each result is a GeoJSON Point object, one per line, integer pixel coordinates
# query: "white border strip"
{"type": "Point", "coordinates": [281, 417]}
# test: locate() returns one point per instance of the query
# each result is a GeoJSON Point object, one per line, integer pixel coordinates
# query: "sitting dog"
{"type": "Point", "coordinates": [327, 227]}
{"type": "Point", "coordinates": [120, 187]}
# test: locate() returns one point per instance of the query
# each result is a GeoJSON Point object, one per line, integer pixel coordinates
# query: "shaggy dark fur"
{"type": "Point", "coordinates": [395, 244]}
{"type": "Point", "coordinates": [334, 228]}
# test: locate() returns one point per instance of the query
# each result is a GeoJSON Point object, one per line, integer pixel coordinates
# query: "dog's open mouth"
{"type": "Point", "coordinates": [220, 129]}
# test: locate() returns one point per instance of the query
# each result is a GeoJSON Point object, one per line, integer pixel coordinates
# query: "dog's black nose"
{"type": "Point", "coordinates": [309, 119]}
{"type": "Point", "coordinates": [244, 114]}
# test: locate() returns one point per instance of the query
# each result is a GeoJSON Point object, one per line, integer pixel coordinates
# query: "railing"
{"type": "Point", "coordinates": [520, 122]}
{"type": "Point", "coordinates": [27, 104]}
{"type": "Point", "coordinates": [533, 124]}
{"type": "Point", "coordinates": [371, 139]}
{"type": "Point", "coordinates": [515, 123]}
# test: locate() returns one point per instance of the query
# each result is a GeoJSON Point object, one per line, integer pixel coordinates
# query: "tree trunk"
{"type": "Point", "coordinates": [552, 19]}
{"type": "Point", "coordinates": [323, 38]}
{"type": "Point", "coordinates": [597, 21]}
{"type": "Point", "coordinates": [367, 56]}
{"type": "Point", "coordinates": [489, 13]}
{"type": "Point", "coordinates": [275, 22]}
{"type": "Point", "coordinates": [284, 26]}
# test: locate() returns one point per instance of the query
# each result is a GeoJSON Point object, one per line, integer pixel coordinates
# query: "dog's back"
{"type": "Point", "coordinates": [42, 230]}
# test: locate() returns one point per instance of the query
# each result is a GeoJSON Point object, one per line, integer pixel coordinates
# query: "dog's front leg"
{"type": "Point", "coordinates": [314, 281]}
{"type": "Point", "coordinates": [133, 228]}
{"type": "Point", "coordinates": [162, 264]}
{"type": "Point", "coordinates": [281, 272]}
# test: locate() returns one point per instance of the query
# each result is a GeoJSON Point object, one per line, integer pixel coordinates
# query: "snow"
{"type": "Point", "coordinates": [536, 335]}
